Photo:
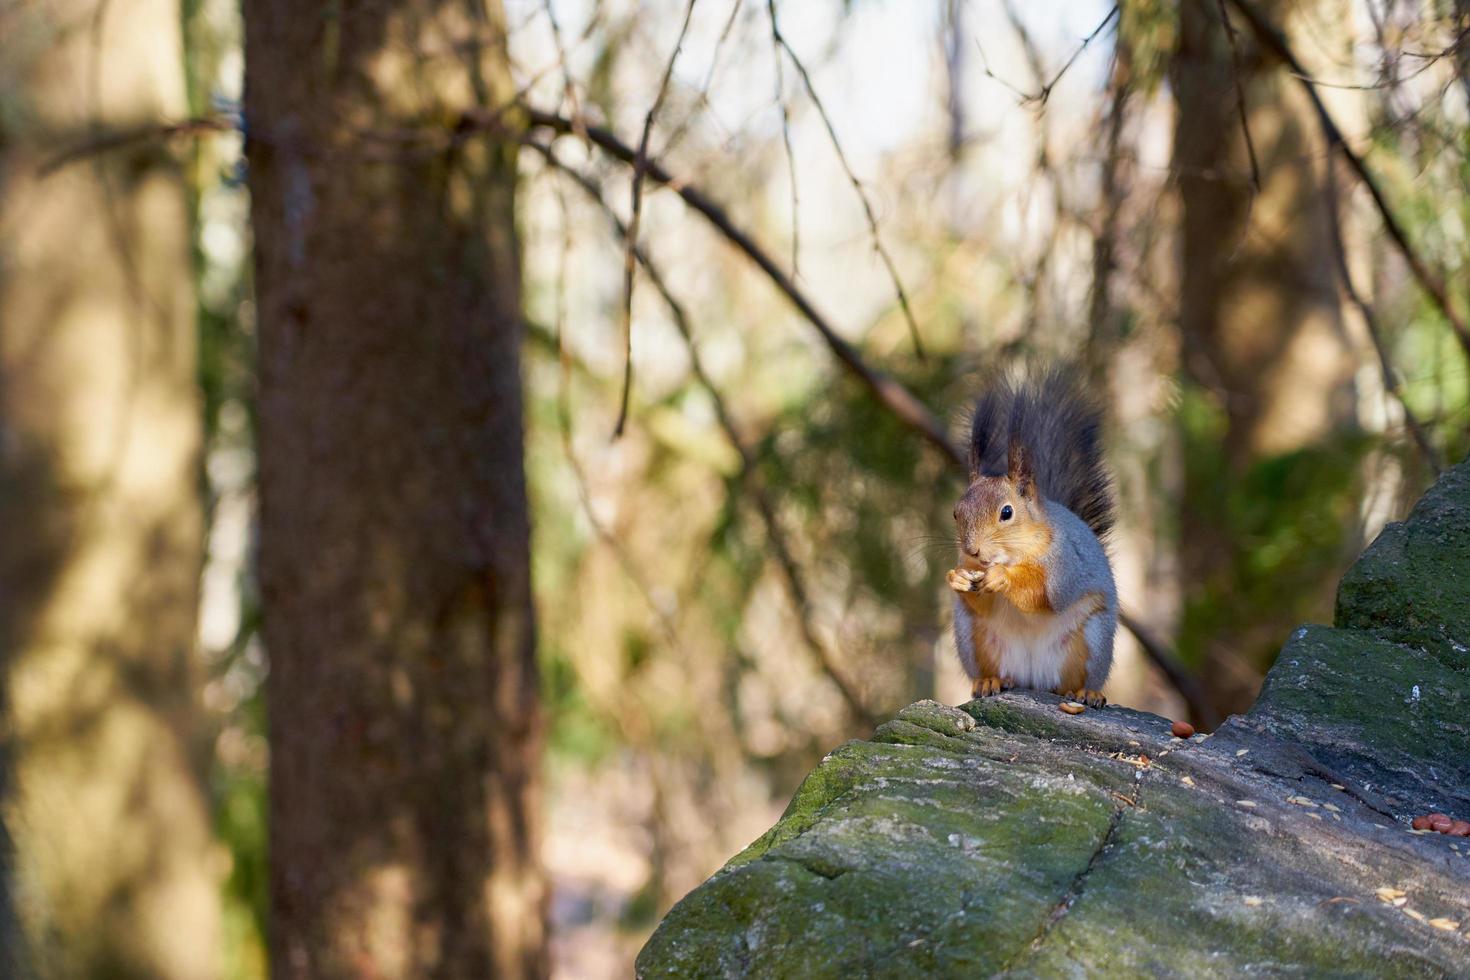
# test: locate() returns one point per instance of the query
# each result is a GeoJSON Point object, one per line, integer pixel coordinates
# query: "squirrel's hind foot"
{"type": "Point", "coordinates": [1093, 699]}
{"type": "Point", "coordinates": [985, 687]}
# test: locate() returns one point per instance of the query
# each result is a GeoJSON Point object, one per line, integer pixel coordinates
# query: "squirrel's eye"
{"type": "Point", "coordinates": [1006, 513]}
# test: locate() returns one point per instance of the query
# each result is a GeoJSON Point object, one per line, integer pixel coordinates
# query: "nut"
{"type": "Point", "coordinates": [1420, 823]}
{"type": "Point", "coordinates": [1460, 828]}
{"type": "Point", "coordinates": [1182, 729]}
{"type": "Point", "coordinates": [1440, 823]}
{"type": "Point", "coordinates": [1072, 707]}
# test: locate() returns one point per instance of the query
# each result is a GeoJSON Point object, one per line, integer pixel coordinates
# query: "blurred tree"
{"type": "Point", "coordinates": [1268, 364]}
{"type": "Point", "coordinates": [394, 542]}
{"type": "Point", "coordinates": [99, 499]}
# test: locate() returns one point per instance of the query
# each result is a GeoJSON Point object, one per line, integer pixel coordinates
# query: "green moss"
{"type": "Point", "coordinates": [1364, 705]}
{"type": "Point", "coordinates": [1410, 583]}
{"type": "Point", "coordinates": [1169, 898]}
{"type": "Point", "coordinates": [958, 827]}
{"type": "Point", "coordinates": [1009, 838]}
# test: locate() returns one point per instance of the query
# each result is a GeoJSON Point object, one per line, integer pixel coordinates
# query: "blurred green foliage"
{"type": "Point", "coordinates": [1289, 524]}
{"type": "Point", "coordinates": [1149, 32]}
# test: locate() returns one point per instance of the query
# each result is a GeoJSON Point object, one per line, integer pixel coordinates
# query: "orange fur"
{"type": "Point", "coordinates": [985, 539]}
{"type": "Point", "coordinates": [979, 603]}
{"type": "Point", "coordinates": [1031, 540]}
{"type": "Point", "coordinates": [1074, 671]}
{"type": "Point", "coordinates": [1025, 586]}
{"type": "Point", "coordinates": [987, 664]}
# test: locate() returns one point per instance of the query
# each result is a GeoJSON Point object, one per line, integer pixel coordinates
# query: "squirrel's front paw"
{"type": "Point", "coordinates": [995, 578]}
{"type": "Point", "coordinates": [964, 579]}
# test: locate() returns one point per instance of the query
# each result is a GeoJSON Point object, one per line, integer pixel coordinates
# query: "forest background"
{"type": "Point", "coordinates": [290, 302]}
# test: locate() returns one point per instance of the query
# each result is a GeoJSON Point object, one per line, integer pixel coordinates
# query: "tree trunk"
{"type": "Point", "coordinates": [1260, 316]}
{"type": "Point", "coordinates": [100, 551]}
{"type": "Point", "coordinates": [394, 540]}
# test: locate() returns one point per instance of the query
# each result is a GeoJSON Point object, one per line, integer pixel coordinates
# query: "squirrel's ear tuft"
{"type": "Point", "coordinates": [1018, 466]}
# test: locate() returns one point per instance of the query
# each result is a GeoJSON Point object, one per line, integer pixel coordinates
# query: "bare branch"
{"type": "Point", "coordinates": [890, 393]}
{"type": "Point", "coordinates": [1245, 127]}
{"type": "Point", "coordinates": [857, 185]}
{"type": "Point", "coordinates": [750, 475]}
{"type": "Point", "coordinates": [1275, 42]}
{"type": "Point", "coordinates": [1102, 314]}
{"type": "Point", "coordinates": [985, 67]}
{"type": "Point", "coordinates": [1041, 97]}
{"type": "Point", "coordinates": [1390, 376]}
{"type": "Point", "coordinates": [786, 141]}
{"type": "Point", "coordinates": [564, 425]}
{"type": "Point", "coordinates": [640, 166]}
{"type": "Point", "coordinates": [569, 89]}
{"type": "Point", "coordinates": [107, 142]}
{"type": "Point", "coordinates": [702, 102]}
{"type": "Point", "coordinates": [1179, 677]}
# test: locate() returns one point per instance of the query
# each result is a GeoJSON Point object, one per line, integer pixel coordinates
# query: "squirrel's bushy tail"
{"type": "Point", "coordinates": [1061, 428]}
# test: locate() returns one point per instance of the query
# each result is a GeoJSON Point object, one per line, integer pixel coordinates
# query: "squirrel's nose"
{"type": "Point", "coordinates": [972, 550]}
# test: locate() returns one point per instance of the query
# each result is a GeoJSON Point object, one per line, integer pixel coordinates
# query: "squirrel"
{"type": "Point", "coordinates": [1035, 603]}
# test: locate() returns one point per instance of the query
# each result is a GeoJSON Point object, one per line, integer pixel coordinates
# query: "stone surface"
{"type": "Point", "coordinates": [1006, 837]}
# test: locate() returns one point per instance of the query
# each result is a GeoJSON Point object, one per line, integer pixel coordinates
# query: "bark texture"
{"type": "Point", "coordinates": [100, 516]}
{"type": "Point", "coordinates": [1260, 315]}
{"type": "Point", "coordinates": [394, 551]}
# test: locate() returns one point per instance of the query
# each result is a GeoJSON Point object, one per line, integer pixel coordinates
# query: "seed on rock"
{"type": "Point", "coordinates": [1440, 823]}
{"type": "Point", "coordinates": [1459, 828]}
{"type": "Point", "coordinates": [1182, 729]}
{"type": "Point", "coordinates": [1420, 823]}
{"type": "Point", "coordinates": [1072, 707]}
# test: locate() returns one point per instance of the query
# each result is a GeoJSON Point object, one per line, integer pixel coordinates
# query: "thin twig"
{"type": "Point", "coordinates": [786, 141]}
{"type": "Point", "coordinates": [890, 393]}
{"type": "Point", "coordinates": [1389, 76]}
{"type": "Point", "coordinates": [564, 425]}
{"type": "Point", "coordinates": [1102, 315]}
{"type": "Point", "coordinates": [750, 475]}
{"type": "Point", "coordinates": [985, 67]}
{"type": "Point", "coordinates": [569, 89]}
{"type": "Point", "coordinates": [1245, 127]}
{"type": "Point", "coordinates": [857, 185]}
{"type": "Point", "coordinates": [1179, 677]}
{"type": "Point", "coordinates": [1040, 97]}
{"type": "Point", "coordinates": [702, 102]}
{"type": "Point", "coordinates": [1033, 280]}
{"type": "Point", "coordinates": [640, 167]}
{"type": "Point", "coordinates": [107, 142]}
{"type": "Point", "coordinates": [1390, 376]}
{"type": "Point", "coordinates": [1272, 40]}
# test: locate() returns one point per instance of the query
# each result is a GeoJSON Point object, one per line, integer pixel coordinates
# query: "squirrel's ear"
{"type": "Point", "coordinates": [1018, 466]}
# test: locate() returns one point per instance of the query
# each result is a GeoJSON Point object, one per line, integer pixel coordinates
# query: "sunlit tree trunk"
{"type": "Point", "coordinates": [394, 548]}
{"type": "Point", "coordinates": [1262, 328]}
{"type": "Point", "coordinates": [100, 516]}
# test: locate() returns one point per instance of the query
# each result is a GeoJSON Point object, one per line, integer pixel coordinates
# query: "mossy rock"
{"type": "Point", "coordinates": [1006, 837]}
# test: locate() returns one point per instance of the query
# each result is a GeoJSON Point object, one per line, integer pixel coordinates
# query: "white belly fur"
{"type": "Point", "coordinates": [1032, 646]}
